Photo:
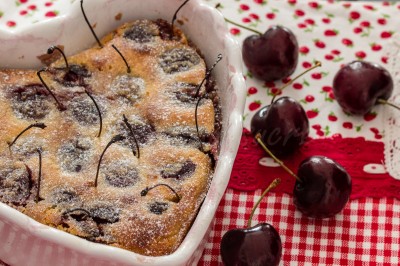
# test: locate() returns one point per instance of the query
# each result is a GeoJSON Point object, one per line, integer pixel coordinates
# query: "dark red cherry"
{"type": "Point", "coordinates": [286, 126]}
{"type": "Point", "coordinates": [258, 120]}
{"type": "Point", "coordinates": [272, 55]}
{"type": "Point", "coordinates": [254, 245]}
{"type": "Point", "coordinates": [360, 85]}
{"type": "Point", "coordinates": [257, 245]}
{"type": "Point", "coordinates": [324, 189]}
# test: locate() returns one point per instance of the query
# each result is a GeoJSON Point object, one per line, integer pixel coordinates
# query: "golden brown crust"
{"type": "Point", "coordinates": [157, 98]}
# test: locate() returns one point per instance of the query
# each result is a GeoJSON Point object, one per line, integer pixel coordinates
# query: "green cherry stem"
{"type": "Point", "coordinates": [273, 185]}
{"type": "Point", "coordinates": [258, 138]}
{"type": "Point", "coordinates": [383, 101]}
{"type": "Point", "coordinates": [316, 64]}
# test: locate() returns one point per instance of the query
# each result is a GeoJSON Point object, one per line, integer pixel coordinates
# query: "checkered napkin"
{"type": "Point", "coordinates": [367, 232]}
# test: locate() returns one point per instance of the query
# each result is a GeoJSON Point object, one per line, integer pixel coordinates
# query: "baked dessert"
{"type": "Point", "coordinates": [153, 165]}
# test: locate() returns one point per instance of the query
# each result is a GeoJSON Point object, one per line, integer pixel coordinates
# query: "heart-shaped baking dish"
{"type": "Point", "coordinates": [27, 242]}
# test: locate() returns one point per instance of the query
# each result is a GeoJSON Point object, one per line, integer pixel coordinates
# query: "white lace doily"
{"type": "Point", "coordinates": [392, 115]}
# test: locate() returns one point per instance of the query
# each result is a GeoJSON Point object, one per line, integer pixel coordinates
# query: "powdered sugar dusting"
{"type": "Point", "coordinates": [147, 194]}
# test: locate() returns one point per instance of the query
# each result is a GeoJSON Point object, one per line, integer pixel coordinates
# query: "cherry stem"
{"type": "Point", "coordinates": [123, 58]}
{"type": "Point", "coordinates": [60, 106]}
{"type": "Point", "coordinates": [51, 50]}
{"type": "Point", "coordinates": [383, 101]}
{"type": "Point", "coordinates": [90, 26]}
{"type": "Point", "coordinates": [258, 138]}
{"type": "Point", "coordinates": [217, 6]}
{"type": "Point", "coordinates": [129, 126]}
{"type": "Point", "coordinates": [316, 64]}
{"type": "Point", "coordinates": [197, 123]}
{"type": "Point", "coordinates": [38, 125]}
{"type": "Point", "coordinates": [113, 140]}
{"type": "Point", "coordinates": [77, 209]}
{"type": "Point", "coordinates": [176, 13]}
{"type": "Point", "coordinates": [40, 175]}
{"type": "Point", "coordinates": [147, 189]}
{"type": "Point", "coordinates": [98, 111]}
{"type": "Point", "coordinates": [219, 58]}
{"type": "Point", "coordinates": [273, 185]}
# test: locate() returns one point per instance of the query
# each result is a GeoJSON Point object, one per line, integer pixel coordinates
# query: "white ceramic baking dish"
{"type": "Point", "coordinates": [23, 241]}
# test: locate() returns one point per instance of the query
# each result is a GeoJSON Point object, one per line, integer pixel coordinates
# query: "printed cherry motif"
{"type": "Point", "coordinates": [386, 34]}
{"type": "Point", "coordinates": [261, 2]}
{"type": "Point", "coordinates": [357, 30]}
{"type": "Point", "coordinates": [309, 98]}
{"type": "Point", "coordinates": [354, 15]}
{"type": "Point", "coordinates": [51, 14]}
{"type": "Point", "coordinates": [304, 50]}
{"type": "Point", "coordinates": [314, 5]}
{"type": "Point", "coordinates": [312, 113]}
{"type": "Point", "coordinates": [270, 15]}
{"type": "Point", "coordinates": [320, 44]}
{"type": "Point", "coordinates": [369, 7]}
{"type": "Point", "coordinates": [330, 33]}
{"type": "Point", "coordinates": [326, 20]}
{"type": "Point", "coordinates": [370, 116]}
{"type": "Point", "coordinates": [11, 23]}
{"type": "Point", "coordinates": [382, 21]}
{"type": "Point", "coordinates": [252, 90]}
{"type": "Point", "coordinates": [297, 86]}
{"type": "Point", "coordinates": [254, 105]}
{"type": "Point", "coordinates": [329, 57]}
{"type": "Point", "coordinates": [360, 55]}
{"type": "Point", "coordinates": [332, 117]}
{"type": "Point", "coordinates": [347, 125]}
{"type": "Point", "coordinates": [347, 42]}
{"type": "Point", "coordinates": [376, 47]}
{"type": "Point", "coordinates": [254, 245]}
{"type": "Point", "coordinates": [365, 24]}
{"type": "Point", "coordinates": [234, 31]}
{"type": "Point", "coordinates": [316, 75]}
{"type": "Point", "coordinates": [244, 7]}
{"type": "Point", "coordinates": [306, 64]}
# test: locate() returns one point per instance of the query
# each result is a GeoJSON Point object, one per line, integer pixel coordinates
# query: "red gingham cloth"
{"type": "Point", "coordinates": [366, 232]}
